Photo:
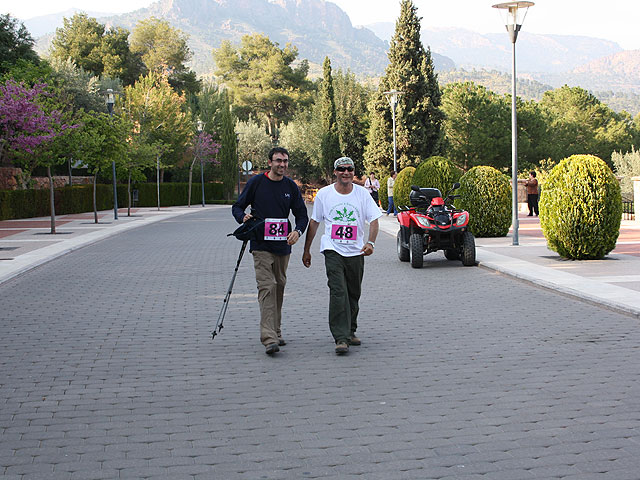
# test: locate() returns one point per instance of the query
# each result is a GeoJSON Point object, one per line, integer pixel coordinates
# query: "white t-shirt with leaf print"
{"type": "Point", "coordinates": [345, 218]}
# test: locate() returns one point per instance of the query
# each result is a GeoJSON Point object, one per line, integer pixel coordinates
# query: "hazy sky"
{"type": "Point", "coordinates": [613, 20]}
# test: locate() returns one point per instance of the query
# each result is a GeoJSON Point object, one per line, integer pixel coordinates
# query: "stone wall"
{"type": "Point", "coordinates": [9, 180]}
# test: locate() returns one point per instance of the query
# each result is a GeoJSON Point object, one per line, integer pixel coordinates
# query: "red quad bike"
{"type": "Point", "coordinates": [433, 223]}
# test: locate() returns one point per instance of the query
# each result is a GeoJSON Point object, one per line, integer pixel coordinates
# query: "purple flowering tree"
{"type": "Point", "coordinates": [26, 128]}
{"type": "Point", "coordinates": [205, 150]}
{"type": "Point", "coordinates": [24, 125]}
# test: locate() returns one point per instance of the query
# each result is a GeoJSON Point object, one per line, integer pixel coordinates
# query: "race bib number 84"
{"type": "Point", "coordinates": [346, 234]}
{"type": "Point", "coordinates": [276, 229]}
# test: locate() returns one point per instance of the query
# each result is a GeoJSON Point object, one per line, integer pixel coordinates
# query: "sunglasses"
{"type": "Point", "coordinates": [344, 169]}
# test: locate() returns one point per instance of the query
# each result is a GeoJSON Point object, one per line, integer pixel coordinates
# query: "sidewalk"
{"type": "Point", "coordinates": [613, 282]}
{"type": "Point", "coordinates": [27, 243]}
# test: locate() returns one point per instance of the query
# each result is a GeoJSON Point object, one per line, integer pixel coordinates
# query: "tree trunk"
{"type": "Point", "coordinates": [271, 129]}
{"type": "Point", "coordinates": [190, 180]}
{"type": "Point", "coordinates": [158, 179]}
{"type": "Point", "coordinates": [129, 195]}
{"type": "Point", "coordinates": [70, 176]}
{"type": "Point", "coordinates": [52, 201]}
{"type": "Point", "coordinates": [95, 204]}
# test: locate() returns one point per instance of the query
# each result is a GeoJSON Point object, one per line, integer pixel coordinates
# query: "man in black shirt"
{"type": "Point", "coordinates": [272, 196]}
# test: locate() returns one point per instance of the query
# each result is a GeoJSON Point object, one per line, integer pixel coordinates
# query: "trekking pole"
{"type": "Point", "coordinates": [219, 326]}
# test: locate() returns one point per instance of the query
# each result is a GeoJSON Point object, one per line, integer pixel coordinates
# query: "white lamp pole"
{"type": "Point", "coordinates": [392, 96]}
{"type": "Point", "coordinates": [200, 129]}
{"type": "Point", "coordinates": [515, 13]}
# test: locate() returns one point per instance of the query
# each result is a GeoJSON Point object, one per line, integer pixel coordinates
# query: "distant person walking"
{"type": "Point", "coordinates": [373, 185]}
{"type": "Point", "coordinates": [272, 196]}
{"type": "Point", "coordinates": [390, 181]}
{"type": "Point", "coordinates": [532, 194]}
{"type": "Point", "coordinates": [344, 208]}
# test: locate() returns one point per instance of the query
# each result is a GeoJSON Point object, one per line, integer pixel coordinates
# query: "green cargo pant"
{"type": "Point", "coordinates": [344, 278]}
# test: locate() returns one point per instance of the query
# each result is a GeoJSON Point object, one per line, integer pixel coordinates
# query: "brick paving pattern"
{"type": "Point", "coordinates": [108, 371]}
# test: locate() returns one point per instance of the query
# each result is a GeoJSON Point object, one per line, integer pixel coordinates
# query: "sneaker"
{"type": "Point", "coordinates": [342, 348]}
{"type": "Point", "coordinates": [353, 340]}
{"type": "Point", "coordinates": [281, 342]}
{"type": "Point", "coordinates": [271, 349]}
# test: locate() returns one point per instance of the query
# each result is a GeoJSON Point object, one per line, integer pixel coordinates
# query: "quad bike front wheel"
{"type": "Point", "coordinates": [416, 250]}
{"type": "Point", "coordinates": [468, 249]}
{"type": "Point", "coordinates": [403, 252]}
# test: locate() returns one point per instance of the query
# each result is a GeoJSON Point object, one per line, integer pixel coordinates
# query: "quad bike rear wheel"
{"type": "Point", "coordinates": [468, 249]}
{"type": "Point", "coordinates": [403, 252]}
{"type": "Point", "coordinates": [416, 250]}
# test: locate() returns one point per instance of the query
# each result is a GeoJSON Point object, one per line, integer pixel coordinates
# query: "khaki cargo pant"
{"type": "Point", "coordinates": [271, 278]}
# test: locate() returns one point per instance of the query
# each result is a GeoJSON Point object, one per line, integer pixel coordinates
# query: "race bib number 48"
{"type": "Point", "coordinates": [344, 233]}
{"type": "Point", "coordinates": [276, 229]}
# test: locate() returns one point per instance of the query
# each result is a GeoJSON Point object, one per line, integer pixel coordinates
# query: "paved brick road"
{"type": "Point", "coordinates": [108, 371]}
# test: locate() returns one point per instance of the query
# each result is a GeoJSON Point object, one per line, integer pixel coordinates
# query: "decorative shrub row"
{"type": "Point", "coordinates": [383, 193]}
{"type": "Point", "coordinates": [16, 204]}
{"type": "Point", "coordinates": [402, 187]}
{"type": "Point", "coordinates": [486, 194]}
{"type": "Point", "coordinates": [437, 172]}
{"type": "Point", "coordinates": [581, 208]}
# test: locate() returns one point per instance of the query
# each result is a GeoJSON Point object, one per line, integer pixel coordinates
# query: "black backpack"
{"type": "Point", "coordinates": [252, 229]}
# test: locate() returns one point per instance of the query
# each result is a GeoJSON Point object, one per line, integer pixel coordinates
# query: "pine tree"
{"type": "Point", "coordinates": [330, 141]}
{"type": "Point", "coordinates": [418, 114]}
{"type": "Point", "coordinates": [228, 147]}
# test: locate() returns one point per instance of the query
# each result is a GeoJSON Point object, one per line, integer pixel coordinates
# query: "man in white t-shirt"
{"type": "Point", "coordinates": [344, 208]}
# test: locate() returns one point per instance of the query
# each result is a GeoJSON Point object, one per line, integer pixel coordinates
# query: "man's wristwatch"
{"type": "Point", "coordinates": [372, 244]}
{"type": "Point", "coordinates": [299, 232]}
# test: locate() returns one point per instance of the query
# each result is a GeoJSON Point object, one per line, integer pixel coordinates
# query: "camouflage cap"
{"type": "Point", "coordinates": [343, 161]}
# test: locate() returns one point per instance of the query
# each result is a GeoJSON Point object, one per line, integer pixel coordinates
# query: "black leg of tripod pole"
{"type": "Point", "coordinates": [225, 303]}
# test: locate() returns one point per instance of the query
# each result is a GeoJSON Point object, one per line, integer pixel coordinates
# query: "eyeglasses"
{"type": "Point", "coordinates": [344, 169]}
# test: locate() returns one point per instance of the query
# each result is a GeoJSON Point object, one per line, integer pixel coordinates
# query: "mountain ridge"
{"type": "Point", "coordinates": [320, 28]}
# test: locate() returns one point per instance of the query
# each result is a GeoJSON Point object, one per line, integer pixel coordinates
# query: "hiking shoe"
{"type": "Point", "coordinates": [271, 349]}
{"type": "Point", "coordinates": [281, 342]}
{"type": "Point", "coordinates": [342, 348]}
{"type": "Point", "coordinates": [354, 340]}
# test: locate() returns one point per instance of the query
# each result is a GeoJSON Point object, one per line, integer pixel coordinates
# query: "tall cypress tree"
{"type": "Point", "coordinates": [418, 114]}
{"type": "Point", "coordinates": [330, 140]}
{"type": "Point", "coordinates": [228, 149]}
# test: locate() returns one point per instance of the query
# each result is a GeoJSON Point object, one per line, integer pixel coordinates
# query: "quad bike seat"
{"type": "Point", "coordinates": [424, 197]}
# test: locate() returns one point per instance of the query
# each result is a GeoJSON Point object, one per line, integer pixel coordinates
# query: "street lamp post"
{"type": "Point", "coordinates": [238, 159]}
{"type": "Point", "coordinates": [110, 99]}
{"type": "Point", "coordinates": [514, 18]}
{"type": "Point", "coordinates": [392, 96]}
{"type": "Point", "coordinates": [200, 129]}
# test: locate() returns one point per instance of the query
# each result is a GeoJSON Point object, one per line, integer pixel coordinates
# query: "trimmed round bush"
{"type": "Point", "coordinates": [437, 172]}
{"type": "Point", "coordinates": [383, 193]}
{"type": "Point", "coordinates": [486, 194]}
{"type": "Point", "coordinates": [402, 187]}
{"type": "Point", "coordinates": [581, 208]}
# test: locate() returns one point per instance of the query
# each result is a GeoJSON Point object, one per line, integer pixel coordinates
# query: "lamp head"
{"type": "Point", "coordinates": [392, 96]}
{"type": "Point", "coordinates": [109, 97]}
{"type": "Point", "coordinates": [513, 14]}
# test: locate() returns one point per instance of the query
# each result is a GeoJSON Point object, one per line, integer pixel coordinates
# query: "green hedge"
{"type": "Point", "coordinates": [581, 208]}
{"type": "Point", "coordinates": [486, 194]}
{"type": "Point", "coordinates": [437, 172]}
{"type": "Point", "coordinates": [402, 187]}
{"type": "Point", "coordinates": [16, 204]}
